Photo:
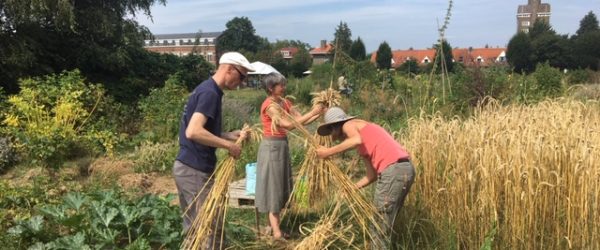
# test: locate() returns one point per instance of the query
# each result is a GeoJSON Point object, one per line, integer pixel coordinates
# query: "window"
{"type": "Point", "coordinates": [525, 23]}
{"type": "Point", "coordinates": [501, 59]}
{"type": "Point", "coordinates": [525, 31]}
{"type": "Point", "coordinates": [461, 59]}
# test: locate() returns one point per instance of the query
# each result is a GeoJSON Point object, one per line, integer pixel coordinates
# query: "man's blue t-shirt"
{"type": "Point", "coordinates": [205, 99]}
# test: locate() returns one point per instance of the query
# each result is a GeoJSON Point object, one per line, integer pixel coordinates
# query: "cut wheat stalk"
{"type": "Point", "coordinates": [323, 176]}
{"type": "Point", "coordinates": [212, 213]}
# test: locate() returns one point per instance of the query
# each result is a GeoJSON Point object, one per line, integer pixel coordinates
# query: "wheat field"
{"type": "Point", "coordinates": [522, 177]}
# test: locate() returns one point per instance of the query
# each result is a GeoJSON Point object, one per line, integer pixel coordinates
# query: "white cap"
{"type": "Point", "coordinates": [236, 58]}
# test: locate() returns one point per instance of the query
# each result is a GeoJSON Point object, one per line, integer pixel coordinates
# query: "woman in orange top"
{"type": "Point", "coordinates": [274, 170]}
{"type": "Point", "coordinates": [385, 159]}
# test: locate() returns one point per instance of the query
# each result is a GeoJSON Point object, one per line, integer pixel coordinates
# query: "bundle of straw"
{"type": "Point", "coordinates": [326, 232]}
{"type": "Point", "coordinates": [323, 176]}
{"type": "Point", "coordinates": [212, 212]}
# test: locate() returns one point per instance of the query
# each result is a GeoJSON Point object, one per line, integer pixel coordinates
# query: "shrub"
{"type": "Point", "coordinates": [579, 76]}
{"type": "Point", "coordinates": [51, 116]}
{"type": "Point", "coordinates": [300, 89]}
{"type": "Point", "coordinates": [236, 113]}
{"type": "Point", "coordinates": [548, 79]}
{"type": "Point", "coordinates": [155, 157]}
{"type": "Point", "coordinates": [161, 111]}
{"type": "Point", "coordinates": [7, 154]}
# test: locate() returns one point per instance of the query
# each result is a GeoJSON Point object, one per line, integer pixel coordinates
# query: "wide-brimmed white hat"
{"type": "Point", "coordinates": [236, 58]}
{"type": "Point", "coordinates": [332, 116]}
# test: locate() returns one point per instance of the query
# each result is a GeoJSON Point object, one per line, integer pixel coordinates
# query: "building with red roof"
{"type": "Point", "coordinates": [322, 54]}
{"type": "Point", "coordinates": [469, 57]}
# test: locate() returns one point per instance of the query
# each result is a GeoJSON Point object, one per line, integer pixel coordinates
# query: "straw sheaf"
{"type": "Point", "coordinates": [215, 205]}
{"type": "Point", "coordinates": [323, 176]}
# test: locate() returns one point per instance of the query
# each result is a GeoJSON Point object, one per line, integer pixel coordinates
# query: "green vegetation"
{"type": "Point", "coordinates": [95, 96]}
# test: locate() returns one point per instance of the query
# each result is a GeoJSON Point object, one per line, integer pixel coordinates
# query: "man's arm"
{"type": "Point", "coordinates": [196, 132]}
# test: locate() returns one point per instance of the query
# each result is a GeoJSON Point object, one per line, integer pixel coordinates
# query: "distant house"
{"type": "Point", "coordinates": [479, 56]}
{"type": "Point", "coordinates": [469, 57]}
{"type": "Point", "coordinates": [203, 44]}
{"type": "Point", "coordinates": [322, 54]}
{"type": "Point", "coordinates": [421, 56]}
{"type": "Point", "coordinates": [288, 53]}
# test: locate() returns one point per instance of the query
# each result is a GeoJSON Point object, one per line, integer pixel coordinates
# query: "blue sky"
{"type": "Point", "coordinates": [402, 23]}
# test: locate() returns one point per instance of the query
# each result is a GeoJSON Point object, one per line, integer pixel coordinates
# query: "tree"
{"type": "Point", "coordinates": [586, 47]}
{"type": "Point", "coordinates": [519, 53]}
{"type": "Point", "coordinates": [239, 36]}
{"type": "Point", "coordinates": [357, 50]}
{"type": "Point", "coordinates": [409, 67]}
{"type": "Point", "coordinates": [589, 23]}
{"type": "Point", "coordinates": [39, 37]}
{"type": "Point", "coordinates": [343, 37]}
{"type": "Point", "coordinates": [551, 48]}
{"type": "Point", "coordinates": [300, 62]}
{"type": "Point", "coordinates": [540, 28]}
{"type": "Point", "coordinates": [446, 51]}
{"type": "Point", "coordinates": [384, 56]}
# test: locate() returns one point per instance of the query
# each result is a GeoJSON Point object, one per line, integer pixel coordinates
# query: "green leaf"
{"type": "Point", "coordinates": [105, 215]}
{"type": "Point", "coordinates": [75, 200]}
{"type": "Point", "coordinates": [71, 242]}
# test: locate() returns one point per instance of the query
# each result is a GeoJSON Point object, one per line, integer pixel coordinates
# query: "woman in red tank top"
{"type": "Point", "coordinates": [274, 170]}
{"type": "Point", "coordinates": [386, 161]}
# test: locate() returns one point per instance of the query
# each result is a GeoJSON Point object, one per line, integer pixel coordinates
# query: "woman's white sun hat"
{"type": "Point", "coordinates": [332, 116]}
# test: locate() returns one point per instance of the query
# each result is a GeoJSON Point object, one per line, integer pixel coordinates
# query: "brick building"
{"type": "Point", "coordinates": [322, 54]}
{"type": "Point", "coordinates": [471, 57]}
{"type": "Point", "coordinates": [203, 44]}
{"type": "Point", "coordinates": [528, 14]}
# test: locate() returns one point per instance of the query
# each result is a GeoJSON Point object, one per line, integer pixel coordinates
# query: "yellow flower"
{"type": "Point", "coordinates": [11, 120]}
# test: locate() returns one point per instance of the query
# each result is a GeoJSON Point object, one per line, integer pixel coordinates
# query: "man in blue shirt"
{"type": "Point", "coordinates": [200, 134]}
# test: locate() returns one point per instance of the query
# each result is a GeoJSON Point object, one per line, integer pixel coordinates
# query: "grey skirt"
{"type": "Point", "coordinates": [273, 175]}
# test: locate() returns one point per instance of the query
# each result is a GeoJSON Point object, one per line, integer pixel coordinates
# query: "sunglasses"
{"type": "Point", "coordinates": [242, 76]}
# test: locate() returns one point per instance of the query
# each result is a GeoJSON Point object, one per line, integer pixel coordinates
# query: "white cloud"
{"type": "Point", "coordinates": [403, 24]}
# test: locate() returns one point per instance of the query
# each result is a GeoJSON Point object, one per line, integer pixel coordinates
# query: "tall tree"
{"type": "Point", "coordinates": [540, 28]}
{"type": "Point", "coordinates": [586, 47]}
{"type": "Point", "coordinates": [589, 23]}
{"type": "Point", "coordinates": [343, 37]}
{"type": "Point", "coordinates": [239, 36]}
{"type": "Point", "coordinates": [101, 38]}
{"type": "Point", "coordinates": [357, 50]}
{"type": "Point", "coordinates": [384, 56]}
{"type": "Point", "coordinates": [446, 51]}
{"type": "Point", "coordinates": [519, 53]}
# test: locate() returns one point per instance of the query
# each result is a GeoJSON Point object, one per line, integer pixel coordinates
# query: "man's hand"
{"type": "Point", "coordinates": [234, 150]}
{"type": "Point", "coordinates": [322, 152]}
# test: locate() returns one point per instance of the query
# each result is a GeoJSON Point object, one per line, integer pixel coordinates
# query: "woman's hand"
{"type": "Point", "coordinates": [318, 109]}
{"type": "Point", "coordinates": [322, 152]}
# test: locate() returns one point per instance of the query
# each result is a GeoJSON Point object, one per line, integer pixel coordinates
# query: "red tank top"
{"type": "Point", "coordinates": [267, 121]}
{"type": "Point", "coordinates": [380, 147]}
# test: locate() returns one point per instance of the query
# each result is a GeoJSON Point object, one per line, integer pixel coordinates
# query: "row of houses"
{"type": "Point", "coordinates": [204, 44]}
{"type": "Point", "coordinates": [467, 56]}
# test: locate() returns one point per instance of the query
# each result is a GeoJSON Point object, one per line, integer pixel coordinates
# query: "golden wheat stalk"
{"type": "Point", "coordinates": [330, 177]}
{"type": "Point", "coordinates": [213, 210]}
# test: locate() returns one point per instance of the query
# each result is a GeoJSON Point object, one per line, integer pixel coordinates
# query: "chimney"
{"type": "Point", "coordinates": [323, 43]}
{"type": "Point", "coordinates": [534, 2]}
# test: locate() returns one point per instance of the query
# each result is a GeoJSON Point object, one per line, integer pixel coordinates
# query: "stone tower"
{"type": "Point", "coordinates": [528, 14]}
